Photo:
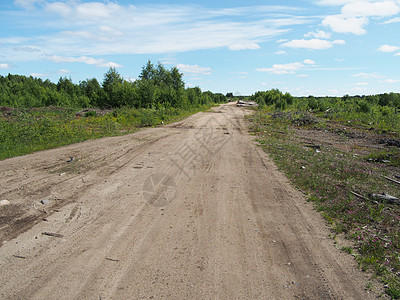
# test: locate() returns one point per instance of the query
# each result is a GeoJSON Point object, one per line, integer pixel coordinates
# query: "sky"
{"type": "Point", "coordinates": [304, 47]}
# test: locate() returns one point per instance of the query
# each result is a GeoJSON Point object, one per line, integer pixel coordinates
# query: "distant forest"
{"type": "Point", "coordinates": [156, 87]}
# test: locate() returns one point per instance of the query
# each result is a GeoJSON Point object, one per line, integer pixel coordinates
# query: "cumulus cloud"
{"type": "Point", "coordinates": [341, 24]}
{"type": "Point", "coordinates": [388, 48]}
{"type": "Point", "coordinates": [313, 44]}
{"type": "Point", "coordinates": [280, 52]}
{"type": "Point", "coordinates": [194, 69]}
{"type": "Point", "coordinates": [290, 68]}
{"type": "Point", "coordinates": [319, 34]}
{"type": "Point", "coordinates": [370, 9]}
{"type": "Point", "coordinates": [5, 66]}
{"type": "Point", "coordinates": [309, 62]}
{"type": "Point", "coordinates": [394, 20]}
{"type": "Point", "coordinates": [355, 14]}
{"type": "Point", "coordinates": [84, 59]}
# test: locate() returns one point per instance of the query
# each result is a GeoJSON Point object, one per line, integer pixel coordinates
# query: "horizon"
{"type": "Point", "coordinates": [319, 47]}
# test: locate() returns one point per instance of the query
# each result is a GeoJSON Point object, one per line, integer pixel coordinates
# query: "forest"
{"type": "Point", "coordinates": [37, 114]}
{"type": "Point", "coordinates": [156, 87]}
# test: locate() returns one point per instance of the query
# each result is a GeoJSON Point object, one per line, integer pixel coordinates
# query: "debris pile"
{"type": "Point", "coordinates": [247, 103]}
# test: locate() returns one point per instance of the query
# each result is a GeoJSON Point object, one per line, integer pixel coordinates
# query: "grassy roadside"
{"type": "Point", "coordinates": [328, 174]}
{"type": "Point", "coordinates": [23, 131]}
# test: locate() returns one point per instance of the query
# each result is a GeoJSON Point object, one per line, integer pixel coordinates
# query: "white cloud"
{"type": "Point", "coordinates": [367, 75]}
{"type": "Point", "coordinates": [361, 83]}
{"type": "Point", "coordinates": [63, 71]}
{"type": "Point", "coordinates": [282, 41]}
{"type": "Point", "coordinates": [112, 28]}
{"type": "Point", "coordinates": [313, 44]}
{"type": "Point", "coordinates": [319, 34]}
{"type": "Point", "coordinates": [390, 81]}
{"type": "Point", "coordinates": [244, 46]}
{"type": "Point", "coordinates": [4, 66]}
{"type": "Point", "coordinates": [194, 69]}
{"type": "Point", "coordinates": [397, 54]}
{"type": "Point", "coordinates": [309, 62]}
{"type": "Point", "coordinates": [91, 11]}
{"type": "Point", "coordinates": [302, 76]}
{"type": "Point", "coordinates": [388, 48]}
{"type": "Point", "coordinates": [370, 9]}
{"type": "Point", "coordinates": [281, 52]}
{"type": "Point", "coordinates": [394, 20]}
{"type": "Point", "coordinates": [342, 24]}
{"type": "Point", "coordinates": [37, 75]}
{"type": "Point", "coordinates": [84, 59]}
{"type": "Point", "coordinates": [333, 2]}
{"type": "Point", "coordinates": [28, 4]}
{"type": "Point", "coordinates": [289, 68]}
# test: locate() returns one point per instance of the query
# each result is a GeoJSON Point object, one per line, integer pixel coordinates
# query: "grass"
{"type": "Point", "coordinates": [24, 131]}
{"type": "Point", "coordinates": [328, 175]}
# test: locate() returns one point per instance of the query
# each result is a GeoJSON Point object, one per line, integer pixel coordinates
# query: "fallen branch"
{"type": "Point", "coordinates": [53, 234]}
{"type": "Point", "coordinates": [110, 259]}
{"type": "Point", "coordinates": [358, 195]}
{"type": "Point", "coordinates": [390, 179]}
{"type": "Point", "coordinates": [313, 146]}
{"type": "Point", "coordinates": [19, 256]}
{"type": "Point", "coordinates": [386, 197]}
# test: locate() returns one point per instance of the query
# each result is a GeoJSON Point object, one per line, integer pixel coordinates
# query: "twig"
{"type": "Point", "coordinates": [53, 234]}
{"type": "Point", "coordinates": [110, 259]}
{"type": "Point", "coordinates": [390, 179]}
{"type": "Point", "coordinates": [19, 256]}
{"type": "Point", "coordinates": [358, 195]}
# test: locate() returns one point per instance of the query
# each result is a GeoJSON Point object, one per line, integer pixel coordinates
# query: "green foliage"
{"type": "Point", "coordinates": [157, 87]}
{"type": "Point", "coordinates": [328, 176]}
{"type": "Point", "coordinates": [158, 96]}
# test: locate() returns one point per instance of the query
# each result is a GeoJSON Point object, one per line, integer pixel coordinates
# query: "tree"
{"type": "Point", "coordinates": [112, 83]}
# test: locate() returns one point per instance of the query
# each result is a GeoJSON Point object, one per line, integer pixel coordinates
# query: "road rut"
{"type": "Point", "coordinates": [191, 210]}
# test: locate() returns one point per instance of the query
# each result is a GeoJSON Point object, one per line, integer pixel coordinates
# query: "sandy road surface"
{"type": "Point", "coordinates": [192, 210]}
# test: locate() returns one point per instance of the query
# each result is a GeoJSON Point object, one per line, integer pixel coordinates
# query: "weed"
{"type": "Point", "coordinates": [347, 249]}
{"type": "Point", "coordinates": [328, 176]}
{"type": "Point", "coordinates": [29, 130]}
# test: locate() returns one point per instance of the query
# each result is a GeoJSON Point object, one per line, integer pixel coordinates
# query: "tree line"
{"type": "Point", "coordinates": [362, 104]}
{"type": "Point", "coordinates": [155, 87]}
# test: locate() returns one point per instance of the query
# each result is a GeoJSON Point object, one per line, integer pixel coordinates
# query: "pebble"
{"type": "Point", "coordinates": [45, 201]}
{"type": "Point", "coordinates": [4, 202]}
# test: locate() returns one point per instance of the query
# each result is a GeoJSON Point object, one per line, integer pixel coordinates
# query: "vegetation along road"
{"type": "Point", "coordinates": [189, 210]}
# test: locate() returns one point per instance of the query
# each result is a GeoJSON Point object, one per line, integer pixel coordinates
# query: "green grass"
{"type": "Point", "coordinates": [29, 130]}
{"type": "Point", "coordinates": [327, 176]}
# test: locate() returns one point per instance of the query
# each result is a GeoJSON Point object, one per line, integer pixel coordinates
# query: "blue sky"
{"type": "Point", "coordinates": [305, 47]}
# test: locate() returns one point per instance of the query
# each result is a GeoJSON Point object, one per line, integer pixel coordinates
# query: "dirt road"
{"type": "Point", "coordinates": [192, 210]}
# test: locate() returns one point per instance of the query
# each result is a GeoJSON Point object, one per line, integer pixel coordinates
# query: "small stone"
{"type": "Point", "coordinates": [45, 201]}
{"type": "Point", "coordinates": [303, 167]}
{"type": "Point", "coordinates": [4, 202]}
